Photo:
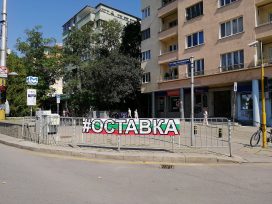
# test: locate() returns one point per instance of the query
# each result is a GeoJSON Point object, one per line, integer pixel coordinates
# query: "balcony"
{"type": "Point", "coordinates": [264, 20]}
{"type": "Point", "coordinates": [259, 2]}
{"type": "Point", "coordinates": [169, 78]}
{"type": "Point", "coordinates": [168, 33]}
{"type": "Point", "coordinates": [168, 8]}
{"type": "Point", "coordinates": [263, 30]}
{"type": "Point", "coordinates": [168, 57]}
{"type": "Point", "coordinates": [88, 18]}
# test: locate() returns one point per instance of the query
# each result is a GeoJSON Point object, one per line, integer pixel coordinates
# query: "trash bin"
{"type": "Point", "coordinates": [2, 115]}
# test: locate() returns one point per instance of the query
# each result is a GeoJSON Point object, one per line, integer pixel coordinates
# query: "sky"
{"type": "Point", "coordinates": [52, 14]}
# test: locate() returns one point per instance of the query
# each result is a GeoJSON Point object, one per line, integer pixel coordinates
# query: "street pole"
{"type": "Point", "coordinates": [192, 101]}
{"type": "Point", "coordinates": [263, 101]}
{"type": "Point", "coordinates": [4, 35]}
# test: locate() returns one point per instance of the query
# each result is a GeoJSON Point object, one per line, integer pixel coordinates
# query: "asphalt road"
{"type": "Point", "coordinates": [35, 178]}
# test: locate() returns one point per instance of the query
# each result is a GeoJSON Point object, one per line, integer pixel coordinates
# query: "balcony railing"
{"type": "Point", "coordinates": [167, 33]}
{"type": "Point", "coordinates": [197, 73]}
{"type": "Point", "coordinates": [231, 67]}
{"type": "Point", "coordinates": [266, 62]}
{"type": "Point", "coordinates": [167, 7]}
{"type": "Point", "coordinates": [169, 78]}
{"type": "Point", "coordinates": [168, 57]}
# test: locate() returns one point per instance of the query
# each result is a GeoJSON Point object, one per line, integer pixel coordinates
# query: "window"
{"type": "Point", "coordinates": [195, 39]}
{"type": "Point", "coordinates": [270, 17]}
{"type": "Point", "coordinates": [194, 11]}
{"type": "Point", "coordinates": [145, 34]}
{"type": "Point", "coordinates": [145, 12]}
{"type": "Point", "coordinates": [146, 55]}
{"type": "Point", "coordinates": [231, 27]}
{"type": "Point", "coordinates": [225, 2]}
{"type": "Point", "coordinates": [232, 60]}
{"type": "Point", "coordinates": [198, 68]}
{"type": "Point", "coordinates": [146, 78]}
{"type": "Point", "coordinates": [173, 47]}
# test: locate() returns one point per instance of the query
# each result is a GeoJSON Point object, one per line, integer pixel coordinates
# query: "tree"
{"type": "Point", "coordinates": [131, 40]}
{"type": "Point", "coordinates": [107, 38]}
{"type": "Point", "coordinates": [42, 58]}
{"type": "Point", "coordinates": [112, 81]}
{"type": "Point", "coordinates": [108, 78]}
{"type": "Point", "coordinates": [16, 86]}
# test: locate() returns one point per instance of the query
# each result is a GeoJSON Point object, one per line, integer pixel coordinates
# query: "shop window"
{"type": "Point", "coordinates": [246, 102]}
{"type": "Point", "coordinates": [161, 104]}
{"type": "Point", "coordinates": [174, 104]}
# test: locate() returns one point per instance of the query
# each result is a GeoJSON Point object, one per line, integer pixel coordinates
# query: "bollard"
{"type": "Point", "coordinates": [195, 130]}
{"type": "Point", "coordinates": [220, 132]}
{"type": "Point", "coordinates": [229, 137]}
{"type": "Point", "coordinates": [119, 143]}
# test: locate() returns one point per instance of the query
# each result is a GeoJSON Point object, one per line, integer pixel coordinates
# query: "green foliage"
{"type": "Point", "coordinates": [111, 76]}
{"type": "Point", "coordinates": [112, 80]}
{"type": "Point", "coordinates": [42, 58]}
{"type": "Point", "coordinates": [131, 40]}
{"type": "Point", "coordinates": [16, 92]}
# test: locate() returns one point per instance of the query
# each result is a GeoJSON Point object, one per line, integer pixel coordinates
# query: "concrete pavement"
{"type": "Point", "coordinates": [31, 177]}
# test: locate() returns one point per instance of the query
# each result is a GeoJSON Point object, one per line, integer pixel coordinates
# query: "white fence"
{"type": "Point", "coordinates": [212, 136]}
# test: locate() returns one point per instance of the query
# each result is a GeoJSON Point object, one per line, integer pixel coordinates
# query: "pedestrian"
{"type": "Point", "coordinates": [136, 116]}
{"type": "Point", "coordinates": [129, 113]}
{"type": "Point", "coordinates": [205, 116]}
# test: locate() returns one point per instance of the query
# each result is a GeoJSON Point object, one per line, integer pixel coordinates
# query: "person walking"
{"type": "Point", "coordinates": [205, 116]}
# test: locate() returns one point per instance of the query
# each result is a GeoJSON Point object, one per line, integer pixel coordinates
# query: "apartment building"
{"type": "Point", "coordinates": [95, 16]}
{"type": "Point", "coordinates": [217, 33]}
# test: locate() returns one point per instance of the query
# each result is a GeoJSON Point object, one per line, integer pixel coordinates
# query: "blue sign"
{"type": "Point", "coordinates": [32, 81]}
{"type": "Point", "coordinates": [179, 62]}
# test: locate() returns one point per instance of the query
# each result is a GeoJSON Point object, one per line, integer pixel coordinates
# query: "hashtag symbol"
{"type": "Point", "coordinates": [86, 125]}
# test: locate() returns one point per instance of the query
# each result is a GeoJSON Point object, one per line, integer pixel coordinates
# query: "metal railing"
{"type": "Point", "coordinates": [213, 135]}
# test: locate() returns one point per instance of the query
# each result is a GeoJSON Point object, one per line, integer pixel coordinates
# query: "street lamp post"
{"type": "Point", "coordinates": [4, 35]}
{"type": "Point", "coordinates": [254, 44]}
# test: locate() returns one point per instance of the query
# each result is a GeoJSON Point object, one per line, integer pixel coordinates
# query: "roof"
{"type": "Point", "coordinates": [101, 4]}
{"type": "Point", "coordinates": [77, 14]}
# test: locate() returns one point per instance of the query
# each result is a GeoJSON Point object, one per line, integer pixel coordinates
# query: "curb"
{"type": "Point", "coordinates": [122, 156]}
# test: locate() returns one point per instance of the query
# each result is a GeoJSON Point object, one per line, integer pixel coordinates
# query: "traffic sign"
{"type": "Point", "coordinates": [58, 98]}
{"type": "Point", "coordinates": [32, 81]}
{"type": "Point", "coordinates": [179, 62]}
{"type": "Point", "coordinates": [31, 97]}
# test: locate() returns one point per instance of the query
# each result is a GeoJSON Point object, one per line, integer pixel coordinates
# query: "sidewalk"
{"type": "Point", "coordinates": [241, 147]}
{"type": "Point", "coordinates": [242, 153]}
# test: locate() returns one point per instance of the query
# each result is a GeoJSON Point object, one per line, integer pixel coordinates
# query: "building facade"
{"type": "Point", "coordinates": [95, 16]}
{"type": "Point", "coordinates": [217, 33]}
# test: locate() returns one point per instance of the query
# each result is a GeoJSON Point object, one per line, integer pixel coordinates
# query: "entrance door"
{"type": "Point", "coordinates": [222, 104]}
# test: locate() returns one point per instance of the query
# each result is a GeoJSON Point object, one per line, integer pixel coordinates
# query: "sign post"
{"type": "Point", "coordinates": [31, 98]}
{"type": "Point", "coordinates": [192, 101]}
{"type": "Point", "coordinates": [234, 100]}
{"type": "Point", "coordinates": [189, 61]}
{"type": "Point", "coordinates": [58, 102]}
